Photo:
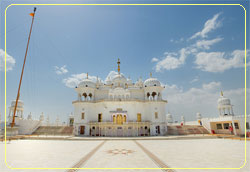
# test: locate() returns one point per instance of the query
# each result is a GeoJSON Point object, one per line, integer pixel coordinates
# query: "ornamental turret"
{"type": "Point", "coordinates": [153, 89]}
{"type": "Point", "coordinates": [224, 106]}
{"type": "Point", "coordinates": [86, 89]}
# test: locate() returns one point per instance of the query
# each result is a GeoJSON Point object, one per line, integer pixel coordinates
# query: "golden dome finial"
{"type": "Point", "coordinates": [150, 74]}
{"type": "Point", "coordinates": [118, 62]}
{"type": "Point", "coordinates": [221, 93]}
{"type": "Point", "coordinates": [87, 75]}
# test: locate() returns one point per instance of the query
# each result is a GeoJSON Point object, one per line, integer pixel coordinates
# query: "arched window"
{"type": "Point", "coordinates": [148, 94]}
{"type": "Point", "coordinates": [138, 117]}
{"type": "Point", "coordinates": [85, 96]}
{"type": "Point", "coordinates": [90, 95]}
{"type": "Point", "coordinates": [99, 117]}
{"type": "Point", "coordinates": [124, 118]}
{"type": "Point", "coordinates": [154, 94]}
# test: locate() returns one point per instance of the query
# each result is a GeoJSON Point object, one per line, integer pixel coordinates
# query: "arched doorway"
{"type": "Point", "coordinates": [119, 119]}
{"type": "Point", "coordinates": [82, 130]}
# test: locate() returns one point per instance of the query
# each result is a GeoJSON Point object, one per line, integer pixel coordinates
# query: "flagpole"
{"type": "Point", "coordinates": [20, 82]}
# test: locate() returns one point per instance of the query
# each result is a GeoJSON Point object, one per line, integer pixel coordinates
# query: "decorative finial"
{"type": "Point", "coordinates": [150, 74]}
{"type": "Point", "coordinates": [221, 93]}
{"type": "Point", "coordinates": [87, 75]}
{"type": "Point", "coordinates": [118, 62]}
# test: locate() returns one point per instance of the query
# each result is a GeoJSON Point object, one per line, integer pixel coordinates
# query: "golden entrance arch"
{"type": "Point", "coordinates": [119, 119]}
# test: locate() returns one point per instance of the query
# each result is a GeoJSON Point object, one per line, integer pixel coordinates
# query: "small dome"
{"type": "Point", "coordinates": [223, 101]}
{"type": "Point", "coordinates": [41, 117]}
{"type": "Point", "coordinates": [29, 116]}
{"type": "Point", "coordinates": [129, 81]}
{"type": "Point", "coordinates": [182, 118]}
{"type": "Point", "coordinates": [198, 115]}
{"type": "Point", "coordinates": [87, 83]}
{"type": "Point", "coordinates": [19, 104]}
{"type": "Point", "coordinates": [169, 116]}
{"type": "Point", "coordinates": [139, 83]}
{"type": "Point", "coordinates": [151, 82]}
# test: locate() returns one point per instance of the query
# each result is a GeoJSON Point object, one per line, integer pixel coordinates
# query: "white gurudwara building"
{"type": "Point", "coordinates": [119, 107]}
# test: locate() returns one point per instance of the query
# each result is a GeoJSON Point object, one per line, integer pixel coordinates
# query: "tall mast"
{"type": "Point", "coordinates": [20, 82]}
{"type": "Point", "coordinates": [118, 62]}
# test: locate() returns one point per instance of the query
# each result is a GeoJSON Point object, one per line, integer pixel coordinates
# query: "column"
{"type": "Point", "coordinates": [137, 129]}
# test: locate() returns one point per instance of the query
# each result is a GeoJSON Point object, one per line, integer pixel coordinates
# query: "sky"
{"type": "Point", "coordinates": [194, 51]}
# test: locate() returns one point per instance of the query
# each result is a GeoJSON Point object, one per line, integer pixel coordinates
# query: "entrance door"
{"type": "Point", "coordinates": [119, 119]}
{"type": "Point", "coordinates": [119, 131]}
{"type": "Point", "coordinates": [99, 117]}
{"type": "Point", "coordinates": [158, 129]}
{"type": "Point", "coordinates": [82, 129]}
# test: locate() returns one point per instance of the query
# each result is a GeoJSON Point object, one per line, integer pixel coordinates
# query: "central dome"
{"type": "Point", "coordinates": [119, 78]}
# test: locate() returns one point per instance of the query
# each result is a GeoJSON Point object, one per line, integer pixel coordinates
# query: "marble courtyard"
{"type": "Point", "coordinates": [125, 153]}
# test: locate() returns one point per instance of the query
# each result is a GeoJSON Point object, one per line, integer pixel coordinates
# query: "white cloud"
{"type": "Point", "coordinates": [211, 86]}
{"type": "Point", "coordinates": [209, 26]}
{"type": "Point", "coordinates": [154, 60]}
{"type": "Point", "coordinates": [61, 70]}
{"type": "Point", "coordinates": [205, 44]}
{"type": "Point", "coordinates": [175, 60]}
{"type": "Point", "coordinates": [172, 60]}
{"type": "Point", "coordinates": [10, 61]}
{"type": "Point", "coordinates": [194, 80]}
{"type": "Point", "coordinates": [177, 41]}
{"type": "Point", "coordinates": [220, 61]}
{"type": "Point", "coordinates": [203, 100]}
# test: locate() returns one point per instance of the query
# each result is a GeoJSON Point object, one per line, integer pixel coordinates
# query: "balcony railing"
{"type": "Point", "coordinates": [114, 123]}
{"type": "Point", "coordinates": [130, 99]}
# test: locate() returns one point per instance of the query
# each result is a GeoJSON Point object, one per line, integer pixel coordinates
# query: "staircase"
{"type": "Point", "coordinates": [54, 130]}
{"type": "Point", "coordinates": [186, 130]}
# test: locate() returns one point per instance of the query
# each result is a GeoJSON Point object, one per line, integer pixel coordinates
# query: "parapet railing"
{"type": "Point", "coordinates": [130, 99]}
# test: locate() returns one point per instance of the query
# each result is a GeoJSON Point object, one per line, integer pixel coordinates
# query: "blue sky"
{"type": "Point", "coordinates": [195, 51]}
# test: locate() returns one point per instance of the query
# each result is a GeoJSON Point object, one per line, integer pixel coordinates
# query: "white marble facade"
{"type": "Point", "coordinates": [118, 107]}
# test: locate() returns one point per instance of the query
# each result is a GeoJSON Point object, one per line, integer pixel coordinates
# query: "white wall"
{"type": "Point", "coordinates": [147, 110]}
{"type": "Point", "coordinates": [27, 126]}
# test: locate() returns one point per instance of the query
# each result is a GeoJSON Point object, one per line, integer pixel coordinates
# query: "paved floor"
{"type": "Point", "coordinates": [196, 153]}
